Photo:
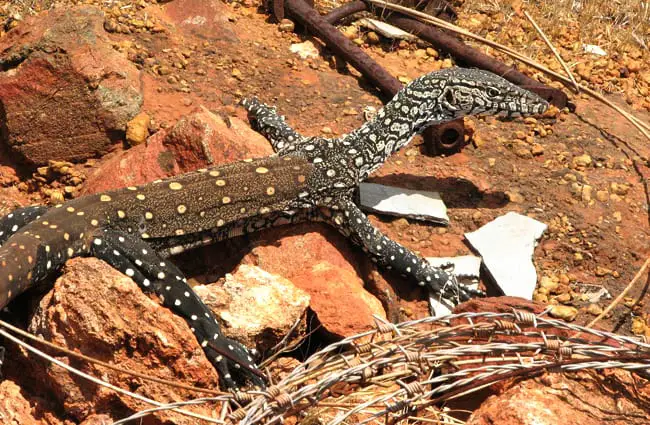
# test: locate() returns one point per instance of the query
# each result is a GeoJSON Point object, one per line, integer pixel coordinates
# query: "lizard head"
{"type": "Point", "coordinates": [460, 92]}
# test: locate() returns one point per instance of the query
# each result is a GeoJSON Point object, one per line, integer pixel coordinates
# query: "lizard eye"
{"type": "Point", "coordinates": [450, 98]}
{"type": "Point", "coordinates": [492, 92]}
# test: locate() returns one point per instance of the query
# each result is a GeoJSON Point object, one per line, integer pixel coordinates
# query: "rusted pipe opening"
{"type": "Point", "coordinates": [445, 138]}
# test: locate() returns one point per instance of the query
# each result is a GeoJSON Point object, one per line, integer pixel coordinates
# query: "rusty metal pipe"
{"type": "Point", "coordinates": [445, 138]}
{"type": "Point", "coordinates": [348, 9]}
{"type": "Point", "coordinates": [370, 69]}
{"type": "Point", "coordinates": [456, 48]}
{"type": "Point", "coordinates": [343, 47]}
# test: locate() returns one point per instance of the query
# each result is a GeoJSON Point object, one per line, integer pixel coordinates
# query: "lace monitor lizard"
{"type": "Point", "coordinates": [136, 229]}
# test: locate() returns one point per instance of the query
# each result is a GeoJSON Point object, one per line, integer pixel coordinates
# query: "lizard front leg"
{"type": "Point", "coordinates": [138, 260]}
{"type": "Point", "coordinates": [12, 222]}
{"type": "Point", "coordinates": [265, 119]}
{"type": "Point", "coordinates": [353, 223]}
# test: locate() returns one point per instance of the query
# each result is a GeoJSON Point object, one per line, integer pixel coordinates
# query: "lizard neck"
{"type": "Point", "coordinates": [394, 126]}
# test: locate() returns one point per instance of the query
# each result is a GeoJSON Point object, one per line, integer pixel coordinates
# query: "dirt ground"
{"type": "Point", "coordinates": [585, 173]}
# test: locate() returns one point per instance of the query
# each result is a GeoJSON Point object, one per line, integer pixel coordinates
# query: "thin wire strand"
{"type": "Point", "coordinates": [102, 382]}
{"type": "Point", "coordinates": [107, 365]}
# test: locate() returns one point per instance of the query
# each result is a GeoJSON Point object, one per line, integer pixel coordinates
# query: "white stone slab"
{"type": "Point", "coordinates": [507, 245]}
{"type": "Point", "coordinates": [417, 204]}
{"type": "Point", "coordinates": [466, 268]}
{"type": "Point", "coordinates": [387, 30]}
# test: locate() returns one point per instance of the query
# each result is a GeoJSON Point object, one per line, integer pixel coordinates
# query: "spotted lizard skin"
{"type": "Point", "coordinates": [136, 229]}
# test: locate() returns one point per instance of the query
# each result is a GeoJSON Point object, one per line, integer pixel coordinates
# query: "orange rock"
{"type": "Point", "coordinates": [14, 409]}
{"type": "Point", "coordinates": [566, 399]}
{"type": "Point", "coordinates": [206, 19]}
{"type": "Point", "coordinates": [199, 140]}
{"type": "Point", "coordinates": [100, 312]}
{"type": "Point", "coordinates": [339, 300]}
{"type": "Point", "coordinates": [65, 91]}
{"type": "Point", "coordinates": [321, 262]}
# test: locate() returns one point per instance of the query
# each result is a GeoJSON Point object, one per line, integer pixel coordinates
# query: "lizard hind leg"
{"type": "Point", "coordinates": [266, 120]}
{"type": "Point", "coordinates": [136, 259]}
{"type": "Point", "coordinates": [352, 222]}
{"type": "Point", "coordinates": [12, 222]}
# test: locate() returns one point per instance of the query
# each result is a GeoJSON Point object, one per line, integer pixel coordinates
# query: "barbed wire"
{"type": "Point", "coordinates": [424, 360]}
{"type": "Point", "coordinates": [406, 370]}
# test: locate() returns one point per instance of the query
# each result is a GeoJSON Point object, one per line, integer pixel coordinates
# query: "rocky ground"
{"type": "Point", "coordinates": [104, 94]}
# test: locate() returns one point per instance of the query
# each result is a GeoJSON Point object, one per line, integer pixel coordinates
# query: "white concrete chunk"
{"type": "Point", "coordinates": [387, 30]}
{"type": "Point", "coordinates": [417, 204]}
{"type": "Point", "coordinates": [506, 245]}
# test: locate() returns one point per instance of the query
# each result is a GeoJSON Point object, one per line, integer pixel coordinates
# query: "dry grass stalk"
{"type": "Point", "coordinates": [554, 50]}
{"type": "Point", "coordinates": [620, 296]}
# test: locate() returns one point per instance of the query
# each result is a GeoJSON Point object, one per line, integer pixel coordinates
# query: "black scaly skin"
{"type": "Point", "coordinates": [134, 229]}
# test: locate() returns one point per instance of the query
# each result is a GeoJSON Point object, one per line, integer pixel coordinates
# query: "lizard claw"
{"type": "Point", "coordinates": [452, 290]}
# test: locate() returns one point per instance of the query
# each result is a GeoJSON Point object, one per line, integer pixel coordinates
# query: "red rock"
{"type": "Point", "coordinates": [100, 312]}
{"type": "Point", "coordinates": [499, 305]}
{"type": "Point", "coordinates": [14, 409]}
{"type": "Point", "coordinates": [576, 399]}
{"type": "Point", "coordinates": [257, 308]}
{"type": "Point", "coordinates": [199, 140]}
{"type": "Point", "coordinates": [11, 198]}
{"type": "Point", "coordinates": [289, 249]}
{"type": "Point", "coordinates": [315, 258]}
{"type": "Point", "coordinates": [206, 19]}
{"type": "Point", "coordinates": [205, 139]}
{"type": "Point", "coordinates": [339, 300]}
{"type": "Point", "coordinates": [67, 94]}
{"type": "Point", "coordinates": [98, 420]}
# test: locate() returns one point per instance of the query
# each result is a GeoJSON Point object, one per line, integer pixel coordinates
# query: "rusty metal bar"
{"type": "Point", "coordinates": [278, 9]}
{"type": "Point", "coordinates": [370, 69]}
{"type": "Point", "coordinates": [463, 53]}
{"type": "Point", "coordinates": [342, 47]}
{"type": "Point", "coordinates": [348, 9]}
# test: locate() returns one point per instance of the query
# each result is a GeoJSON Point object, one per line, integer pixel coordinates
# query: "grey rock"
{"type": "Point", "coordinates": [417, 204]}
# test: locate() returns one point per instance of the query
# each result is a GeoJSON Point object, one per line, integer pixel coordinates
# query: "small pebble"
{"type": "Point", "coordinates": [594, 309]}
{"type": "Point", "coordinates": [137, 130]}
{"type": "Point", "coordinates": [564, 312]}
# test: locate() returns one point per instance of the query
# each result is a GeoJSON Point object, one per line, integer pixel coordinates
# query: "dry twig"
{"type": "Point", "coordinates": [554, 50]}
{"type": "Point", "coordinates": [620, 296]}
